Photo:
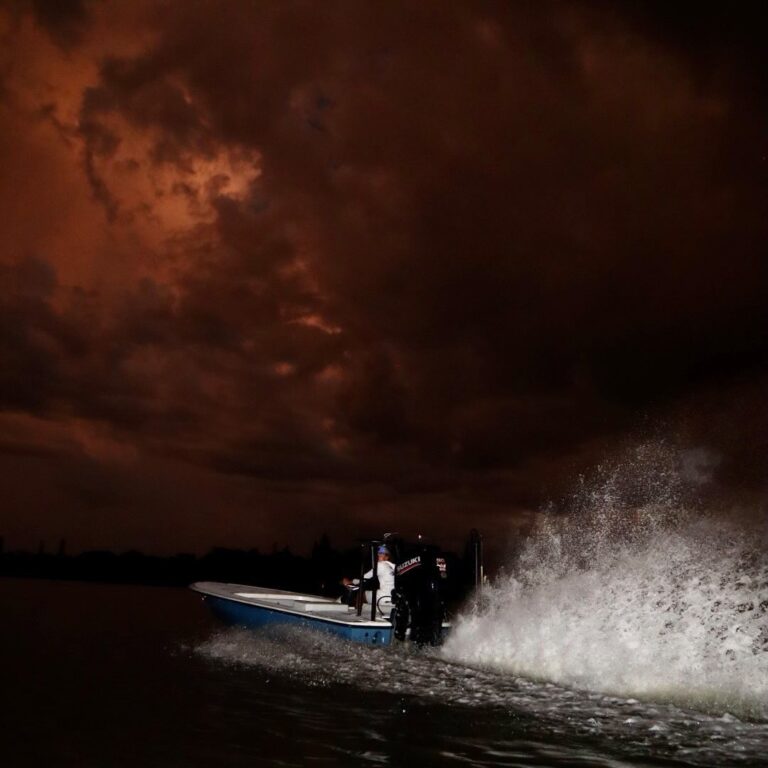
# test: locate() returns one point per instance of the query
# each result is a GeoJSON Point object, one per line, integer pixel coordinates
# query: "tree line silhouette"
{"type": "Point", "coordinates": [318, 573]}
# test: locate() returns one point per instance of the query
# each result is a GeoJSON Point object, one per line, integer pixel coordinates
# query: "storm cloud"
{"type": "Point", "coordinates": [279, 268]}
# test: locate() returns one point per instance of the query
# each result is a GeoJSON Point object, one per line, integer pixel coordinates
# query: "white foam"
{"type": "Point", "coordinates": [636, 593]}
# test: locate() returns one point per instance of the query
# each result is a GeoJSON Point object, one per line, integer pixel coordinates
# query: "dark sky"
{"type": "Point", "coordinates": [274, 269]}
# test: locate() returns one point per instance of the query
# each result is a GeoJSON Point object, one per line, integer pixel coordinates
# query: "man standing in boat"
{"type": "Point", "coordinates": [385, 573]}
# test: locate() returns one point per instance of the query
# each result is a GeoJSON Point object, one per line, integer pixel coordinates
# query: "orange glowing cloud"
{"type": "Point", "coordinates": [309, 265]}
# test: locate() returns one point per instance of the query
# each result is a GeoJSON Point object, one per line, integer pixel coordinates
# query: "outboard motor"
{"type": "Point", "coordinates": [418, 600]}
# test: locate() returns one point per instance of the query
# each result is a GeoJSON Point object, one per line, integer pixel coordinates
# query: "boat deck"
{"type": "Point", "coordinates": [297, 603]}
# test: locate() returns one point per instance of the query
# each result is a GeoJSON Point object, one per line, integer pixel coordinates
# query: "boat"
{"type": "Point", "coordinates": [415, 611]}
{"type": "Point", "coordinates": [256, 607]}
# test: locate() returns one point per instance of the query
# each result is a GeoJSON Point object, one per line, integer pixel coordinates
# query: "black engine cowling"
{"type": "Point", "coordinates": [418, 601]}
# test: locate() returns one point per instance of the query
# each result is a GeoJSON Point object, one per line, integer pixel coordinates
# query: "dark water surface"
{"type": "Point", "coordinates": [102, 675]}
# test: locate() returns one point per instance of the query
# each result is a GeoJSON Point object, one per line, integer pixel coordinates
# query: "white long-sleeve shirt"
{"type": "Point", "coordinates": [385, 571]}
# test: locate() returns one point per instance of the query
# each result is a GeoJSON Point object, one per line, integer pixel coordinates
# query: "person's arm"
{"type": "Point", "coordinates": [370, 582]}
{"type": "Point", "coordinates": [367, 580]}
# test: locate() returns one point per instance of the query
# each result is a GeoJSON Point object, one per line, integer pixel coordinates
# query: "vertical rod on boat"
{"type": "Point", "coordinates": [359, 595]}
{"type": "Point", "coordinates": [375, 559]}
{"type": "Point", "coordinates": [477, 553]}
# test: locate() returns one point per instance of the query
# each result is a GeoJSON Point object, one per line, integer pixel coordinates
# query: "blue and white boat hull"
{"type": "Point", "coordinates": [255, 608]}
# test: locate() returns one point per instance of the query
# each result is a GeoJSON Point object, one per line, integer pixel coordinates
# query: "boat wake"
{"type": "Point", "coordinates": [634, 593]}
{"type": "Point", "coordinates": [543, 710]}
